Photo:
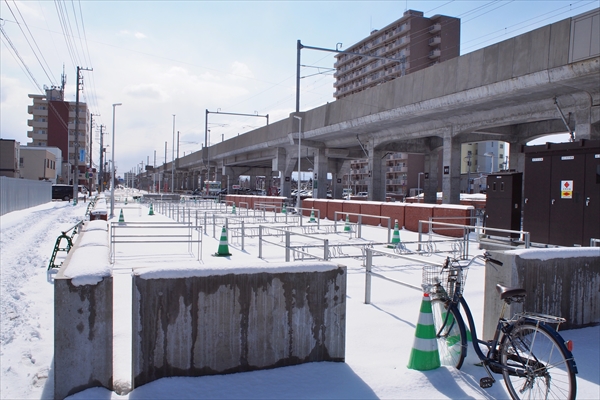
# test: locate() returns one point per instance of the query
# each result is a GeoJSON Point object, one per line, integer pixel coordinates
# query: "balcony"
{"type": "Point", "coordinates": [37, 124]}
{"type": "Point", "coordinates": [434, 41]}
{"type": "Point", "coordinates": [435, 53]}
{"type": "Point", "coordinates": [435, 28]}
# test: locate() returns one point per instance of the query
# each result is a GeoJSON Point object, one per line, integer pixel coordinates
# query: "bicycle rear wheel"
{"type": "Point", "coordinates": [450, 333]}
{"type": "Point", "coordinates": [544, 371]}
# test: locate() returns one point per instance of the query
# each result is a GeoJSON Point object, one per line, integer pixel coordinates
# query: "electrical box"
{"type": "Point", "coordinates": [503, 202]}
{"type": "Point", "coordinates": [562, 193]}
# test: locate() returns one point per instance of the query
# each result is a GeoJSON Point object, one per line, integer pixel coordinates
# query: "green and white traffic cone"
{"type": "Point", "coordinates": [233, 209]}
{"type": "Point", "coordinates": [121, 217]}
{"type": "Point", "coordinates": [395, 237]}
{"type": "Point", "coordinates": [347, 227]}
{"type": "Point", "coordinates": [151, 211]}
{"type": "Point", "coordinates": [223, 249]}
{"type": "Point", "coordinates": [312, 215]}
{"type": "Point", "coordinates": [125, 200]}
{"type": "Point", "coordinates": [425, 355]}
{"type": "Point", "coordinates": [283, 210]}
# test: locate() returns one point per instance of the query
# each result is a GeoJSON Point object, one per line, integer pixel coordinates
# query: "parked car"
{"type": "Point", "coordinates": [362, 194]}
{"type": "Point", "coordinates": [62, 192]}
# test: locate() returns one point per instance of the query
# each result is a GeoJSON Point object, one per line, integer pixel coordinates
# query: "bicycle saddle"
{"type": "Point", "coordinates": [506, 292]}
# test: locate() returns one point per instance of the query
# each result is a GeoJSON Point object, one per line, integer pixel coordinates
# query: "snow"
{"type": "Point", "coordinates": [557, 252]}
{"type": "Point", "coordinates": [379, 336]}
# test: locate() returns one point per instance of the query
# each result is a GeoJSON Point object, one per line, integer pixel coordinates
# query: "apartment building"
{"type": "Point", "coordinates": [53, 125]}
{"type": "Point", "coordinates": [409, 44]}
{"type": "Point", "coordinates": [403, 172]}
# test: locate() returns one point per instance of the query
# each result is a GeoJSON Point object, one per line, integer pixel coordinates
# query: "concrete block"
{"type": "Point", "coordinates": [539, 50]}
{"type": "Point", "coordinates": [193, 322]}
{"type": "Point", "coordinates": [522, 49]}
{"type": "Point", "coordinates": [83, 336]}
{"type": "Point", "coordinates": [490, 64]}
{"type": "Point", "coordinates": [564, 282]}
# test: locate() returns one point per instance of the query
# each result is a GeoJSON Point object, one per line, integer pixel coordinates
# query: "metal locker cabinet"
{"type": "Point", "coordinates": [591, 207]}
{"type": "Point", "coordinates": [503, 201]}
{"type": "Point", "coordinates": [536, 203]}
{"type": "Point", "coordinates": [566, 199]}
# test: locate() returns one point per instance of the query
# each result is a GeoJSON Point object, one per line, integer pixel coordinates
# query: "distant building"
{"type": "Point", "coordinates": [53, 125]}
{"type": "Point", "coordinates": [38, 163]}
{"type": "Point", "coordinates": [415, 41]}
{"type": "Point", "coordinates": [9, 158]}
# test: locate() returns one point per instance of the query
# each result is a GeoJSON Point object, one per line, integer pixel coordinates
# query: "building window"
{"type": "Point", "coordinates": [21, 162]}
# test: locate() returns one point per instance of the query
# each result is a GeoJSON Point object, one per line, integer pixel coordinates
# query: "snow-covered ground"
{"type": "Point", "coordinates": [379, 336]}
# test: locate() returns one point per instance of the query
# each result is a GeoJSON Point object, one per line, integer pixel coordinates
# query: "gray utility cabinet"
{"type": "Point", "coordinates": [562, 192]}
{"type": "Point", "coordinates": [503, 201]}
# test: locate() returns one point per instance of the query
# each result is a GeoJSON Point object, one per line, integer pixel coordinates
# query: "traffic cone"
{"type": "Point", "coordinates": [151, 211]}
{"type": "Point", "coordinates": [283, 210]}
{"type": "Point", "coordinates": [425, 355]}
{"type": "Point", "coordinates": [312, 215]}
{"type": "Point", "coordinates": [395, 237]}
{"type": "Point", "coordinates": [125, 200]}
{"type": "Point", "coordinates": [347, 227]}
{"type": "Point", "coordinates": [121, 218]}
{"type": "Point", "coordinates": [223, 249]}
{"type": "Point", "coordinates": [233, 209]}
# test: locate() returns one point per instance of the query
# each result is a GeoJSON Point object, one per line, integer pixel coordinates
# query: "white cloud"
{"type": "Point", "coordinates": [137, 35]}
{"type": "Point", "coordinates": [240, 70]}
{"type": "Point", "coordinates": [147, 91]}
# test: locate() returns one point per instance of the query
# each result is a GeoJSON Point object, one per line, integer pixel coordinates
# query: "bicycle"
{"type": "Point", "coordinates": [533, 358]}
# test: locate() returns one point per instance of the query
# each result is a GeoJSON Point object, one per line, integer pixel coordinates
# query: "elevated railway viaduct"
{"type": "Point", "coordinates": [541, 82]}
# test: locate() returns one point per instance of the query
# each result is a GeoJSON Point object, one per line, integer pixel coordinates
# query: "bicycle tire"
{"type": "Point", "coordinates": [540, 351]}
{"type": "Point", "coordinates": [450, 333]}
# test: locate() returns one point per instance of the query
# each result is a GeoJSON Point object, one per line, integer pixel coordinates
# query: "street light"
{"type": "Point", "coordinates": [112, 174]}
{"type": "Point", "coordinates": [491, 155]}
{"type": "Point", "coordinates": [299, 161]}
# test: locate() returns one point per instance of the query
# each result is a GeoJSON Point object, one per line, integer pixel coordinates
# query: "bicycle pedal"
{"type": "Point", "coordinates": [486, 382]}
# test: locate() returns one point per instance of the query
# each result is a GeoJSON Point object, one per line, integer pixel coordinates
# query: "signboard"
{"type": "Point", "coordinates": [236, 187]}
{"type": "Point", "coordinates": [446, 170]}
{"type": "Point", "coordinates": [287, 178]}
{"type": "Point", "coordinates": [81, 155]}
{"type": "Point", "coordinates": [566, 189]}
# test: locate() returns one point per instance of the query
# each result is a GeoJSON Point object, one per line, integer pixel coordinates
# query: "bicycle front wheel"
{"type": "Point", "coordinates": [540, 360]}
{"type": "Point", "coordinates": [450, 333]}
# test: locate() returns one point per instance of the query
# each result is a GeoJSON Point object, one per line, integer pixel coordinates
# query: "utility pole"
{"type": "Point", "coordinates": [76, 149]}
{"type": "Point", "coordinates": [91, 142]}
{"type": "Point", "coordinates": [101, 176]}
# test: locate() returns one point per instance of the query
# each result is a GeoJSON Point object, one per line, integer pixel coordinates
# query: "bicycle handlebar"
{"type": "Point", "coordinates": [485, 256]}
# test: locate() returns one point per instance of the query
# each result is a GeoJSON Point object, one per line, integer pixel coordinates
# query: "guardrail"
{"type": "Point", "coordinates": [121, 238]}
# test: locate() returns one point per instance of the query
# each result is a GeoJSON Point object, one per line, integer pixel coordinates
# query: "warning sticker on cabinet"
{"type": "Point", "coordinates": [566, 189]}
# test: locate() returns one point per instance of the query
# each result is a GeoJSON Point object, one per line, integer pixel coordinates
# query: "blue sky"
{"type": "Point", "coordinates": [160, 58]}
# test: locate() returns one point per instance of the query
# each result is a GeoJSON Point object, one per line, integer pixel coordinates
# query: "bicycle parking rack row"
{"type": "Point", "coordinates": [119, 234]}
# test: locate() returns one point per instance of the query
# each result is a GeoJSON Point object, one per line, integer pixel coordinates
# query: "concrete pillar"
{"type": "Point", "coordinates": [286, 180]}
{"type": "Point", "coordinates": [451, 168]}
{"type": "Point", "coordinates": [337, 176]}
{"type": "Point", "coordinates": [376, 175]}
{"type": "Point", "coordinates": [430, 180]}
{"type": "Point", "coordinates": [320, 174]}
{"type": "Point", "coordinates": [583, 126]}
{"type": "Point", "coordinates": [516, 159]}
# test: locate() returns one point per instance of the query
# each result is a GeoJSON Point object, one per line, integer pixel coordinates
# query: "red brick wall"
{"type": "Point", "coordinates": [321, 205]}
{"type": "Point", "coordinates": [332, 207]}
{"type": "Point", "coordinates": [450, 210]}
{"type": "Point", "coordinates": [372, 208]}
{"type": "Point", "coordinates": [307, 203]}
{"type": "Point", "coordinates": [351, 207]}
{"type": "Point", "coordinates": [394, 211]}
{"type": "Point", "coordinates": [415, 212]}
